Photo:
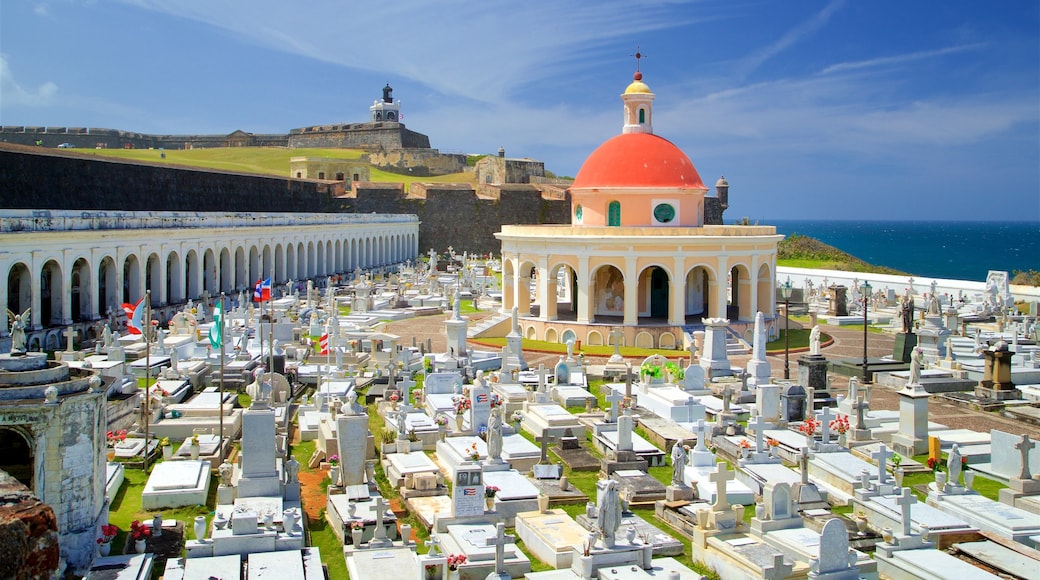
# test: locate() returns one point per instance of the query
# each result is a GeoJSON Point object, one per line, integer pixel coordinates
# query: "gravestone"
{"type": "Point", "coordinates": [468, 492]}
{"type": "Point", "coordinates": [352, 441]}
{"type": "Point", "coordinates": [835, 561]}
{"type": "Point", "coordinates": [793, 403]}
{"type": "Point", "coordinates": [758, 366]}
{"type": "Point", "coordinates": [259, 475]}
{"type": "Point", "coordinates": [480, 409]}
{"type": "Point", "coordinates": [839, 301]}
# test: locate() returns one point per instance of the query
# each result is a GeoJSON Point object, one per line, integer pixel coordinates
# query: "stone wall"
{"type": "Point", "coordinates": [502, 170]}
{"type": "Point", "coordinates": [28, 533]}
{"type": "Point", "coordinates": [38, 179]}
{"type": "Point", "coordinates": [91, 137]}
{"type": "Point", "coordinates": [370, 136]}
{"type": "Point", "coordinates": [450, 214]}
{"type": "Point", "coordinates": [420, 162]}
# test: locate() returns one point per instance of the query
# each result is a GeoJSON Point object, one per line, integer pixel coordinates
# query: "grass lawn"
{"type": "Point", "coordinates": [321, 534]}
{"type": "Point", "coordinates": [262, 160]}
{"type": "Point", "coordinates": [542, 346]}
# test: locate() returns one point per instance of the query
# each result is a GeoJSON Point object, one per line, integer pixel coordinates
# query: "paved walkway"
{"type": "Point", "coordinates": [847, 344]}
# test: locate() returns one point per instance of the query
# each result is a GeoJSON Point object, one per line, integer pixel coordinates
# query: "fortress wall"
{"type": "Point", "coordinates": [449, 214]}
{"type": "Point", "coordinates": [47, 181]}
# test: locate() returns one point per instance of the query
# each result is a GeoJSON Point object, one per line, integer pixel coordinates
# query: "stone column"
{"type": "Point", "coordinates": [508, 289]}
{"type": "Point", "coordinates": [631, 293]}
{"type": "Point", "coordinates": [720, 287]}
{"type": "Point", "coordinates": [677, 295]}
{"type": "Point", "coordinates": [583, 287]}
{"type": "Point", "coordinates": [523, 294]}
{"type": "Point", "coordinates": [66, 295]}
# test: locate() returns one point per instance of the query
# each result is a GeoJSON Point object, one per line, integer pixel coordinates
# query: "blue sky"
{"type": "Point", "coordinates": [816, 110]}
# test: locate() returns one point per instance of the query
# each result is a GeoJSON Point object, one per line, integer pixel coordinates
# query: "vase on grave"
{"type": "Point", "coordinates": [194, 449]}
{"type": "Point", "coordinates": [453, 575]}
{"type": "Point", "coordinates": [630, 534]}
{"type": "Point", "coordinates": [104, 548]}
{"type": "Point", "coordinates": [288, 521]}
{"type": "Point", "coordinates": [219, 521]}
{"type": "Point", "coordinates": [355, 536]}
{"type": "Point", "coordinates": [167, 452]}
{"type": "Point", "coordinates": [200, 528]}
{"type": "Point", "coordinates": [862, 525]}
{"type": "Point", "coordinates": [898, 473]}
{"type": "Point", "coordinates": [442, 432]}
{"type": "Point", "coordinates": [543, 503]}
{"type": "Point", "coordinates": [969, 479]}
{"type": "Point", "coordinates": [334, 474]}
{"type": "Point", "coordinates": [458, 422]}
{"type": "Point", "coordinates": [268, 520]}
{"type": "Point", "coordinates": [585, 564]}
{"type": "Point", "coordinates": [140, 546]}
{"type": "Point", "coordinates": [490, 502]}
{"type": "Point", "coordinates": [111, 454]}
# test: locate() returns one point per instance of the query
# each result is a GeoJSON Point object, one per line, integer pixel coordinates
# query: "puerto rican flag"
{"type": "Point", "coordinates": [483, 397]}
{"type": "Point", "coordinates": [262, 290]}
{"type": "Point", "coordinates": [469, 491]}
{"type": "Point", "coordinates": [134, 316]}
{"type": "Point", "coordinates": [323, 343]}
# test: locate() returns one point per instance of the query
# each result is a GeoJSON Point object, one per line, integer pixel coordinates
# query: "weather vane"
{"type": "Point", "coordinates": [639, 55]}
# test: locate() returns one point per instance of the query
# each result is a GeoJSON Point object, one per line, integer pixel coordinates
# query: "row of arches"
{"type": "Point", "coordinates": [79, 284]}
{"type": "Point", "coordinates": [652, 294]}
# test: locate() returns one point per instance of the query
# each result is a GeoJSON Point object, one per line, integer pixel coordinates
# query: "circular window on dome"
{"type": "Point", "coordinates": [664, 212]}
{"type": "Point", "coordinates": [577, 214]}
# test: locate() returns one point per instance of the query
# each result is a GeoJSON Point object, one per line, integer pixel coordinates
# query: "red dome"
{"type": "Point", "coordinates": [638, 160]}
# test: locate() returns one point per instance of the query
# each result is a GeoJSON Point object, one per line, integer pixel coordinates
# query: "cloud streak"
{"type": "Point", "coordinates": [790, 38]}
{"type": "Point", "coordinates": [898, 59]}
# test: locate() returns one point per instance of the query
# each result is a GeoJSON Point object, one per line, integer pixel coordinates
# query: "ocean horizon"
{"type": "Point", "coordinates": [958, 250]}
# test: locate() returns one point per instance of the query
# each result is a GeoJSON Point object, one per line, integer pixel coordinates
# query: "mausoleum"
{"type": "Point", "coordinates": [646, 250]}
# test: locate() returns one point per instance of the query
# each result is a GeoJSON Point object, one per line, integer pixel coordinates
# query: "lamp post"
{"type": "Point", "coordinates": [785, 291]}
{"type": "Point", "coordinates": [866, 299]}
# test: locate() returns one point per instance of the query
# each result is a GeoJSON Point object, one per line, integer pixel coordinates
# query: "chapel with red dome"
{"type": "Point", "coordinates": [646, 251]}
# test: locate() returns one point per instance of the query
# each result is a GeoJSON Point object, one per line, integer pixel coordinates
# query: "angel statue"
{"type": "Point", "coordinates": [18, 324]}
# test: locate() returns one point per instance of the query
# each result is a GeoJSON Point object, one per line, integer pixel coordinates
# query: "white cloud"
{"type": "Point", "coordinates": [790, 38]}
{"type": "Point", "coordinates": [464, 49]}
{"type": "Point", "coordinates": [17, 95]}
{"type": "Point", "coordinates": [898, 59]}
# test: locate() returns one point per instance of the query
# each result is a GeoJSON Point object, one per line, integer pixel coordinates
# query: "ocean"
{"type": "Point", "coordinates": [954, 250]}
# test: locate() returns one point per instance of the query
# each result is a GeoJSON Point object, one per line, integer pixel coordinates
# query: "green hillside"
{"type": "Point", "coordinates": [262, 160]}
{"type": "Point", "coordinates": [797, 251]}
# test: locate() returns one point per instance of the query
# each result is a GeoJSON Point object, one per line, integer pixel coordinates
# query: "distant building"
{"type": "Point", "coordinates": [328, 168]}
{"type": "Point", "coordinates": [501, 169]}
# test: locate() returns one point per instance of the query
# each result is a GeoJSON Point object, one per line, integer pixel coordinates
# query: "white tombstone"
{"type": "Point", "coordinates": [758, 366]}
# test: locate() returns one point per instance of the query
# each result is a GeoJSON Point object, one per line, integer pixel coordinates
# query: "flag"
{"type": "Point", "coordinates": [262, 290]}
{"type": "Point", "coordinates": [134, 316]}
{"type": "Point", "coordinates": [216, 332]}
{"type": "Point", "coordinates": [469, 491]}
{"type": "Point", "coordinates": [323, 343]}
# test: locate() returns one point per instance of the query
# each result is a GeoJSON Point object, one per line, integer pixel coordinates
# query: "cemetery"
{"type": "Point", "coordinates": [365, 425]}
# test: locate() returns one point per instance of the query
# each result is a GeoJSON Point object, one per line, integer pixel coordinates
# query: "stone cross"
{"type": "Point", "coordinates": [758, 426]}
{"type": "Point", "coordinates": [544, 440]}
{"type": "Point", "coordinates": [542, 373]}
{"type": "Point", "coordinates": [690, 404]}
{"type": "Point", "coordinates": [628, 381]}
{"type": "Point", "coordinates": [433, 543]}
{"type": "Point", "coordinates": [727, 397]}
{"type": "Point", "coordinates": [803, 464]}
{"type": "Point", "coordinates": [701, 430]}
{"type": "Point", "coordinates": [860, 406]}
{"type": "Point", "coordinates": [500, 540]}
{"type": "Point", "coordinates": [614, 398]}
{"type": "Point", "coordinates": [406, 389]}
{"type": "Point", "coordinates": [778, 570]}
{"type": "Point", "coordinates": [905, 500]}
{"type": "Point", "coordinates": [69, 333]}
{"type": "Point", "coordinates": [825, 417]}
{"type": "Point", "coordinates": [380, 506]}
{"type": "Point", "coordinates": [615, 337]}
{"type": "Point", "coordinates": [882, 455]}
{"type": "Point", "coordinates": [719, 477]}
{"type": "Point", "coordinates": [1024, 446]}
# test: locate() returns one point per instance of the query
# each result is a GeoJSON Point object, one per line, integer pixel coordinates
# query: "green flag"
{"type": "Point", "coordinates": [216, 332]}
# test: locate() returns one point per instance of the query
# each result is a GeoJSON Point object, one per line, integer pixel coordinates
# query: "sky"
{"type": "Point", "coordinates": [833, 110]}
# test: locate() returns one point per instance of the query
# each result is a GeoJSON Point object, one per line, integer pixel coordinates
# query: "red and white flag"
{"type": "Point", "coordinates": [323, 343]}
{"type": "Point", "coordinates": [262, 290]}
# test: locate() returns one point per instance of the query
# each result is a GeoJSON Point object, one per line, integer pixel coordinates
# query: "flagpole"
{"type": "Point", "coordinates": [260, 328]}
{"type": "Point", "coordinates": [221, 397]}
{"type": "Point", "coordinates": [270, 328]}
{"type": "Point", "coordinates": [147, 329]}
